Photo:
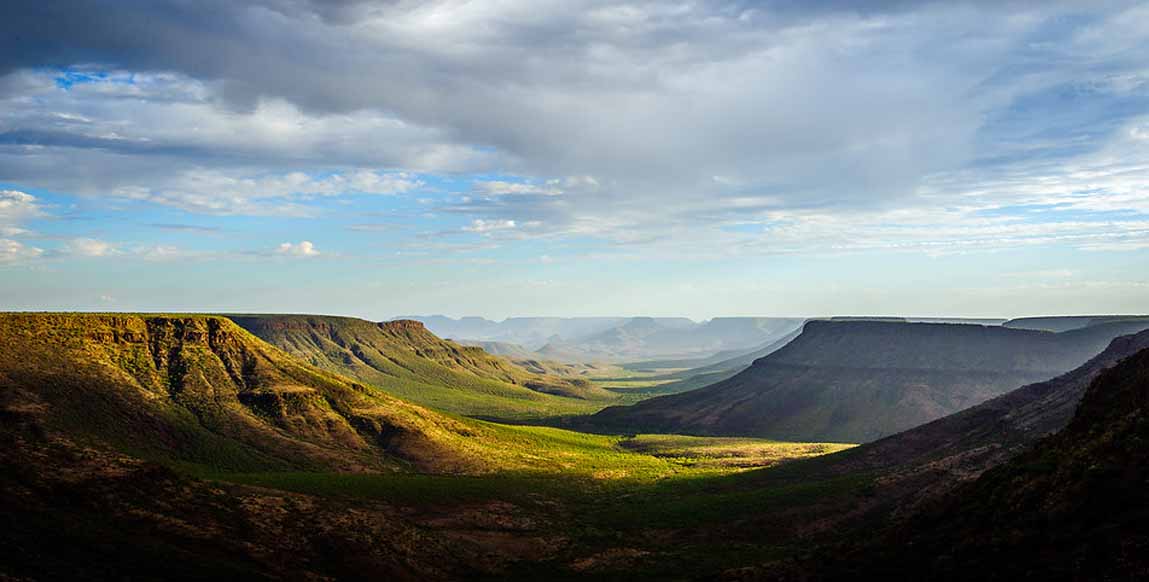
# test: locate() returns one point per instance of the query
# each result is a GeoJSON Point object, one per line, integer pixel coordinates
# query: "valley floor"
{"type": "Point", "coordinates": [597, 505]}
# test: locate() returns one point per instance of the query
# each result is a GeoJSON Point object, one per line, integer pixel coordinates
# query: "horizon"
{"type": "Point", "coordinates": [696, 158]}
{"type": "Point", "coordinates": [694, 319]}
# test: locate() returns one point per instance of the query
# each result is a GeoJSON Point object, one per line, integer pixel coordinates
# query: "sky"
{"type": "Point", "coordinates": [528, 157]}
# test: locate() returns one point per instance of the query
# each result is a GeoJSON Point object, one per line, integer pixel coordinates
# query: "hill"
{"type": "Point", "coordinates": [201, 390]}
{"type": "Point", "coordinates": [857, 381]}
{"type": "Point", "coordinates": [404, 359]}
{"type": "Point", "coordinates": [1071, 508]}
{"type": "Point", "coordinates": [926, 461]}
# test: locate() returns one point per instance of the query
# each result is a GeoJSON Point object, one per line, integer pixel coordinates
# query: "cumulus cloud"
{"type": "Point", "coordinates": [301, 249]}
{"type": "Point", "coordinates": [481, 226]}
{"type": "Point", "coordinates": [89, 247]}
{"type": "Point", "coordinates": [16, 207]}
{"type": "Point", "coordinates": [12, 251]}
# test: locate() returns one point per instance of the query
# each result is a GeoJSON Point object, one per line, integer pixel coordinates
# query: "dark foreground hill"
{"type": "Point", "coordinates": [1074, 507]}
{"type": "Point", "coordinates": [857, 381]}
{"type": "Point", "coordinates": [406, 360]}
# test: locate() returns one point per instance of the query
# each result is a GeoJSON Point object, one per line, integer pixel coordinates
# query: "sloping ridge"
{"type": "Point", "coordinates": [405, 359]}
{"type": "Point", "coordinates": [857, 381]}
{"type": "Point", "coordinates": [200, 389]}
{"type": "Point", "coordinates": [1074, 507]}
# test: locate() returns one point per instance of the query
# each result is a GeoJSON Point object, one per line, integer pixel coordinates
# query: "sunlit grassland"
{"type": "Point", "coordinates": [555, 463]}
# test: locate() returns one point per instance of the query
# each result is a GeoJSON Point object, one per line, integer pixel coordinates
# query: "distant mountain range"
{"type": "Point", "coordinates": [857, 381]}
{"type": "Point", "coordinates": [616, 339]}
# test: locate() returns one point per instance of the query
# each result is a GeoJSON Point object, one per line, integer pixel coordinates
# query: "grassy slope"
{"type": "Point", "coordinates": [406, 360]}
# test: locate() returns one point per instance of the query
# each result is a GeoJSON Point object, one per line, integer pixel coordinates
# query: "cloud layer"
{"type": "Point", "coordinates": [653, 129]}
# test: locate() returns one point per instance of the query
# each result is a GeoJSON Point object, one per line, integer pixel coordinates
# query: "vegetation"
{"type": "Point", "coordinates": [402, 358]}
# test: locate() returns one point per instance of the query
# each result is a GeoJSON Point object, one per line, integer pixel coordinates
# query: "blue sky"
{"type": "Point", "coordinates": [575, 158]}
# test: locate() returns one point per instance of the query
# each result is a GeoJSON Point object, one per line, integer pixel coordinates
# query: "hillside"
{"type": "Point", "coordinates": [857, 381]}
{"type": "Point", "coordinates": [404, 359]}
{"type": "Point", "coordinates": [1074, 507]}
{"type": "Point", "coordinates": [926, 461]}
{"type": "Point", "coordinates": [201, 390]}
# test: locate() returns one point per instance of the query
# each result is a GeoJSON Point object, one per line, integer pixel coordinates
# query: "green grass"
{"type": "Point", "coordinates": [418, 366]}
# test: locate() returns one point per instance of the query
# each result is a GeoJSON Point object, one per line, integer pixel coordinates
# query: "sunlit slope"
{"type": "Point", "coordinates": [404, 359]}
{"type": "Point", "coordinates": [202, 391]}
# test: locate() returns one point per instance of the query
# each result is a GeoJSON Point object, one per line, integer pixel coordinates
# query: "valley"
{"type": "Point", "coordinates": [388, 430]}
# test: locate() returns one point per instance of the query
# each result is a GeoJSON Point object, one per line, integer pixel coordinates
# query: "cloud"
{"type": "Point", "coordinates": [300, 249]}
{"type": "Point", "coordinates": [649, 125]}
{"type": "Point", "coordinates": [216, 192]}
{"type": "Point", "coordinates": [481, 226]}
{"type": "Point", "coordinates": [501, 187]}
{"type": "Point", "coordinates": [12, 251]}
{"type": "Point", "coordinates": [17, 207]}
{"type": "Point", "coordinates": [89, 247]}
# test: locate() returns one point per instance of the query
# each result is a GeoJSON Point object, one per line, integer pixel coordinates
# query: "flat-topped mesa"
{"type": "Point", "coordinates": [403, 325]}
{"type": "Point", "coordinates": [858, 381]}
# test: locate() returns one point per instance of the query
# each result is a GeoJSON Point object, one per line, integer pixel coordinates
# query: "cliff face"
{"type": "Point", "coordinates": [200, 389]}
{"type": "Point", "coordinates": [858, 381]}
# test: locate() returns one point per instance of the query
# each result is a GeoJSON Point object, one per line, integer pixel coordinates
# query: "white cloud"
{"type": "Point", "coordinates": [300, 249]}
{"type": "Point", "coordinates": [90, 247]}
{"type": "Point", "coordinates": [481, 226]}
{"type": "Point", "coordinates": [218, 192]}
{"type": "Point", "coordinates": [12, 251]}
{"type": "Point", "coordinates": [500, 188]}
{"type": "Point", "coordinates": [17, 207]}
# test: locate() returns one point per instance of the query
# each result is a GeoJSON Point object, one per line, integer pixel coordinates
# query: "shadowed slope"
{"type": "Point", "coordinates": [405, 359]}
{"type": "Point", "coordinates": [1073, 507]}
{"type": "Point", "coordinates": [856, 381]}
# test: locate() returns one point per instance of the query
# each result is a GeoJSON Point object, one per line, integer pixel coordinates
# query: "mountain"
{"type": "Point", "coordinates": [1074, 507]}
{"type": "Point", "coordinates": [530, 332]}
{"type": "Point", "coordinates": [1067, 323]}
{"type": "Point", "coordinates": [928, 460]}
{"type": "Point", "coordinates": [858, 381]}
{"type": "Point", "coordinates": [713, 373]}
{"type": "Point", "coordinates": [533, 362]}
{"type": "Point", "coordinates": [403, 358]}
{"type": "Point", "coordinates": [202, 390]}
{"type": "Point", "coordinates": [645, 338]}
